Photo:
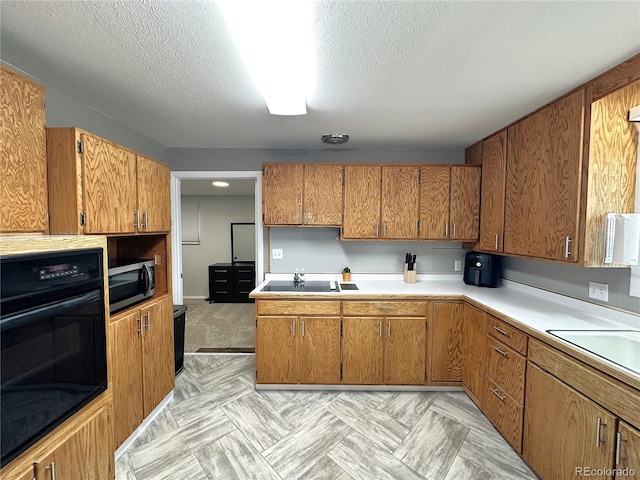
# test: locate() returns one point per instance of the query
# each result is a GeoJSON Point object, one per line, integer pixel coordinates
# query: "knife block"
{"type": "Point", "coordinates": [409, 275]}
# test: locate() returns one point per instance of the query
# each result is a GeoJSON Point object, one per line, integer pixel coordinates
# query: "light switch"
{"type": "Point", "coordinates": [276, 254]}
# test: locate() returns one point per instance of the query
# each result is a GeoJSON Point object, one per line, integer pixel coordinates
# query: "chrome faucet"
{"type": "Point", "coordinates": [298, 277]}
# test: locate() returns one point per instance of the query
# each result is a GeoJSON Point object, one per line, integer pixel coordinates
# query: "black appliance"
{"type": "Point", "coordinates": [481, 269]}
{"type": "Point", "coordinates": [130, 282]}
{"type": "Point", "coordinates": [179, 320]}
{"type": "Point", "coordinates": [53, 342]}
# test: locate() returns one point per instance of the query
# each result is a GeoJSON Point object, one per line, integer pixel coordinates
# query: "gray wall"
{"type": "Point", "coordinates": [318, 250]}
{"type": "Point", "coordinates": [573, 281]}
{"type": "Point", "coordinates": [240, 159]}
{"type": "Point", "coordinates": [216, 215]}
{"type": "Point", "coordinates": [63, 110]}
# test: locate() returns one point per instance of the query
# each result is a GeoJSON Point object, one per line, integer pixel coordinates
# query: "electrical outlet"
{"type": "Point", "coordinates": [599, 291]}
{"type": "Point", "coordinates": [276, 254]}
{"type": "Point", "coordinates": [457, 265]}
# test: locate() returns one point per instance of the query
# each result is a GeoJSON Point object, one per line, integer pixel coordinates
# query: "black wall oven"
{"type": "Point", "coordinates": [53, 342]}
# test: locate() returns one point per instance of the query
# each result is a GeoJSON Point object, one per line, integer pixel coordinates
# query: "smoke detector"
{"type": "Point", "coordinates": [335, 138]}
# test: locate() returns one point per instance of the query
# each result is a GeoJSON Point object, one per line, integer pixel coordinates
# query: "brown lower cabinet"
{"type": "Point", "coordinates": [142, 363]}
{"type": "Point", "coordinates": [85, 453]}
{"type": "Point", "coordinates": [298, 349]}
{"type": "Point", "coordinates": [474, 360]}
{"type": "Point", "coordinates": [446, 341]}
{"type": "Point", "coordinates": [627, 451]}
{"type": "Point", "coordinates": [564, 431]}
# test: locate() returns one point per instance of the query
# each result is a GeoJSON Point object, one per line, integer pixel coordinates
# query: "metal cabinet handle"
{"type": "Point", "coordinates": [302, 333]}
{"type": "Point", "coordinates": [598, 431]}
{"type": "Point", "coordinates": [501, 352]}
{"type": "Point", "coordinates": [293, 328]}
{"type": "Point", "coordinates": [52, 470]}
{"type": "Point", "coordinates": [388, 329]}
{"type": "Point", "coordinates": [379, 329]}
{"type": "Point", "coordinates": [306, 215]}
{"type": "Point", "coordinates": [140, 325]}
{"type": "Point", "coordinates": [497, 394]}
{"type": "Point", "coordinates": [145, 215]}
{"type": "Point", "coordinates": [567, 241]}
{"type": "Point", "coordinates": [446, 230]}
{"type": "Point", "coordinates": [455, 230]}
{"type": "Point", "coordinates": [377, 229]}
{"type": "Point", "coordinates": [497, 236]}
{"type": "Point", "coordinates": [618, 447]}
{"type": "Point", "coordinates": [137, 222]}
{"type": "Point", "coordinates": [384, 229]}
{"type": "Point", "coordinates": [501, 331]}
{"type": "Point", "coordinates": [385, 307]}
{"type": "Point", "coordinates": [298, 216]}
{"type": "Point", "coordinates": [148, 320]}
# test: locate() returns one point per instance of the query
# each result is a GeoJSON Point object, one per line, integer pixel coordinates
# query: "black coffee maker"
{"type": "Point", "coordinates": [481, 269]}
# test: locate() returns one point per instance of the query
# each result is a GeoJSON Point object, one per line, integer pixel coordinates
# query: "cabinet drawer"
{"type": "Point", "coordinates": [276, 307]}
{"type": "Point", "coordinates": [413, 309]}
{"type": "Point", "coordinates": [244, 272]}
{"type": "Point", "coordinates": [506, 368]}
{"type": "Point", "coordinates": [508, 335]}
{"type": "Point", "coordinates": [505, 413]}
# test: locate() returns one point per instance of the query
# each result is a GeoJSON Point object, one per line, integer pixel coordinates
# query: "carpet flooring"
{"type": "Point", "coordinates": [219, 327]}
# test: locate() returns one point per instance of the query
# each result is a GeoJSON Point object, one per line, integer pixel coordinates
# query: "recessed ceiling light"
{"type": "Point", "coordinates": [220, 183]}
{"type": "Point", "coordinates": [335, 138]}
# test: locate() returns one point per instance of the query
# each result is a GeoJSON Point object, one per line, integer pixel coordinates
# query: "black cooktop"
{"type": "Point", "coordinates": [290, 286]}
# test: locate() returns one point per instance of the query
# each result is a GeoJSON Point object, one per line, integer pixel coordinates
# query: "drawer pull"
{"type": "Point", "coordinates": [618, 447]}
{"type": "Point", "coordinates": [220, 281]}
{"type": "Point", "coordinates": [293, 328]}
{"type": "Point", "coordinates": [501, 331]}
{"type": "Point", "coordinates": [385, 307]}
{"type": "Point", "coordinates": [221, 292]}
{"type": "Point", "coordinates": [244, 281]}
{"type": "Point", "coordinates": [302, 328]}
{"type": "Point", "coordinates": [501, 352]}
{"type": "Point", "coordinates": [52, 469]}
{"type": "Point", "coordinates": [497, 394]}
{"type": "Point", "coordinates": [389, 331]}
{"type": "Point", "coordinates": [221, 271]}
{"type": "Point", "coordinates": [379, 329]}
{"type": "Point", "coordinates": [244, 271]}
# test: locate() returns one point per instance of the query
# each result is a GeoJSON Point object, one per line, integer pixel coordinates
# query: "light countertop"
{"type": "Point", "coordinates": [530, 309]}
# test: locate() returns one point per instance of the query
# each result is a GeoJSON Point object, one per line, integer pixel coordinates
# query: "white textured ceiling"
{"type": "Point", "coordinates": [392, 74]}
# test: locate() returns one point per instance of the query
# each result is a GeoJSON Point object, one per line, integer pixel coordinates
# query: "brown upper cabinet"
{"type": "Point", "coordinates": [560, 170]}
{"type": "Point", "coordinates": [544, 160]}
{"type": "Point", "coordinates": [449, 202]}
{"type": "Point", "coordinates": [99, 187]}
{"type": "Point", "coordinates": [494, 164]}
{"type": "Point", "coordinates": [23, 156]}
{"type": "Point", "coordinates": [381, 202]}
{"type": "Point", "coordinates": [301, 194]}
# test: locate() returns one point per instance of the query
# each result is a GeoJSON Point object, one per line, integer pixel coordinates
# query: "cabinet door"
{"type": "Point", "coordinates": [544, 165]}
{"type": "Point", "coordinates": [474, 361]}
{"type": "Point", "coordinates": [126, 375]}
{"type": "Point", "coordinates": [319, 350]}
{"type": "Point", "coordinates": [465, 202]}
{"type": "Point", "coordinates": [322, 195]}
{"type": "Point", "coordinates": [564, 430]}
{"type": "Point", "coordinates": [361, 201]}
{"type": "Point", "coordinates": [157, 353]}
{"type": "Point", "coordinates": [88, 453]}
{"type": "Point", "coordinates": [494, 163]}
{"type": "Point", "coordinates": [404, 351]}
{"type": "Point", "coordinates": [154, 195]}
{"type": "Point", "coordinates": [109, 187]}
{"type": "Point", "coordinates": [435, 188]}
{"type": "Point", "coordinates": [400, 200]}
{"type": "Point", "coordinates": [276, 350]}
{"type": "Point", "coordinates": [362, 353]}
{"type": "Point", "coordinates": [282, 194]}
{"type": "Point", "coordinates": [446, 342]}
{"type": "Point", "coordinates": [628, 449]}
{"type": "Point", "coordinates": [23, 162]}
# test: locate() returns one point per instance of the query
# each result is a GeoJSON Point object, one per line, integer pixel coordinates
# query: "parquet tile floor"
{"type": "Point", "coordinates": [219, 427]}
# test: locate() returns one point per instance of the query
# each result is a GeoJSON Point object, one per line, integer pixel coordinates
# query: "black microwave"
{"type": "Point", "coordinates": [130, 282]}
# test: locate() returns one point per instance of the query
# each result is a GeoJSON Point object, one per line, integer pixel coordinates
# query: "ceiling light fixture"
{"type": "Point", "coordinates": [275, 40]}
{"type": "Point", "coordinates": [220, 183]}
{"type": "Point", "coordinates": [634, 114]}
{"type": "Point", "coordinates": [335, 138]}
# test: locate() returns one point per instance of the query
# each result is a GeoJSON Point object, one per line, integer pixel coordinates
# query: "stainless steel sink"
{"type": "Point", "coordinates": [618, 346]}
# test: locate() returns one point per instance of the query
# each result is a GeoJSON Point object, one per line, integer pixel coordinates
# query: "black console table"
{"type": "Point", "coordinates": [231, 282]}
